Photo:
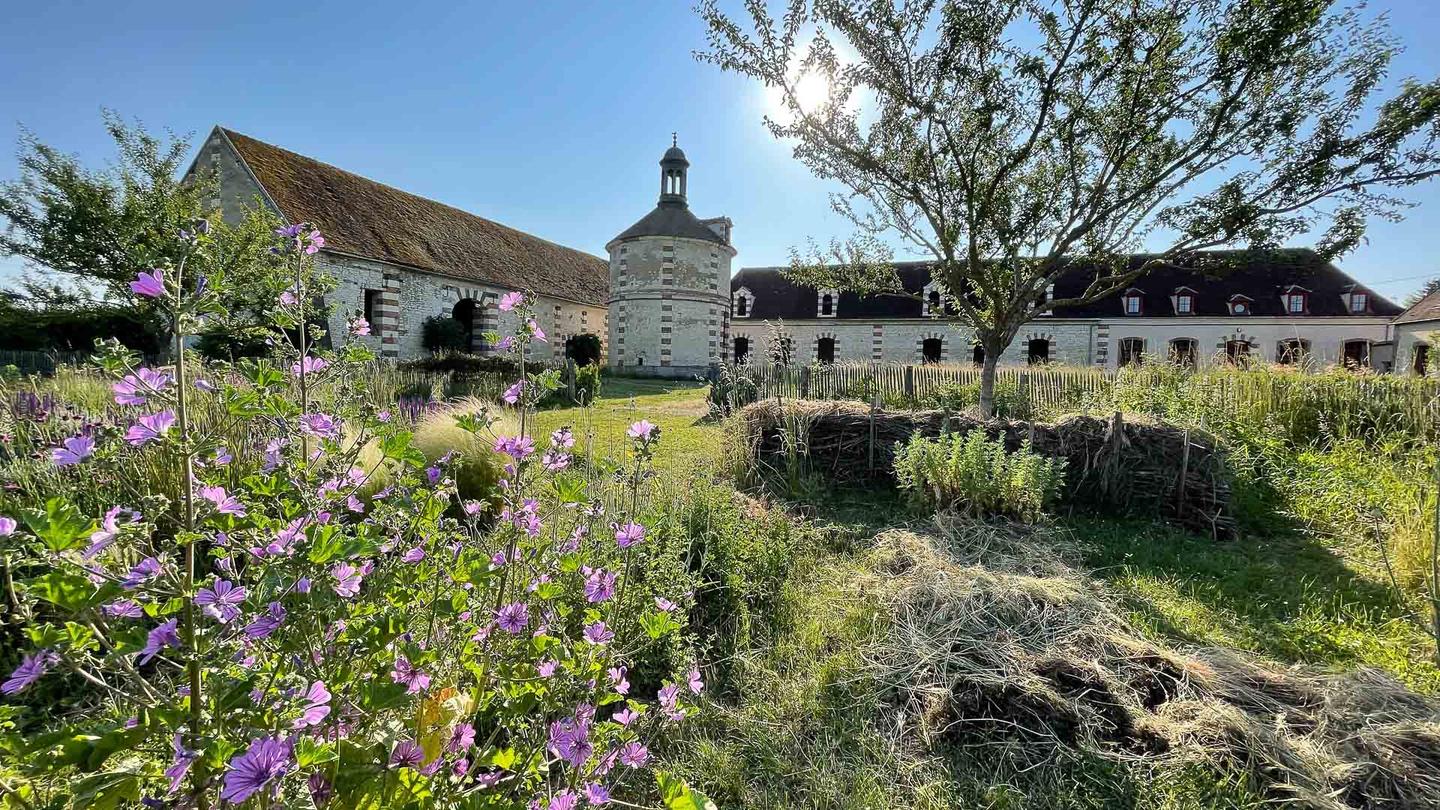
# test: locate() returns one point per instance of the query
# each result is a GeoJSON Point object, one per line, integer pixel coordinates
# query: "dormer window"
{"type": "Point", "coordinates": [743, 300]}
{"type": "Point", "coordinates": [826, 303]}
{"type": "Point", "coordinates": [1184, 301]}
{"type": "Point", "coordinates": [1296, 300]}
{"type": "Point", "coordinates": [1359, 302]}
{"type": "Point", "coordinates": [932, 303]}
{"type": "Point", "coordinates": [1133, 302]}
{"type": "Point", "coordinates": [1240, 304]}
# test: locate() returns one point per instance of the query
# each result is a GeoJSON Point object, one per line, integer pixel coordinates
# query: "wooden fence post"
{"type": "Point", "coordinates": [805, 382]}
{"type": "Point", "coordinates": [910, 382]}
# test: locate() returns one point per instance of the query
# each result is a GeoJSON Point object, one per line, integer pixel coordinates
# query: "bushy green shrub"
{"type": "Point", "coordinates": [441, 333]}
{"type": "Point", "coordinates": [446, 361]}
{"type": "Point", "coordinates": [972, 473]}
{"type": "Point", "coordinates": [1010, 401]}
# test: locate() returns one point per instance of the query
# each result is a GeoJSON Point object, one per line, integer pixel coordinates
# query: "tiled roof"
{"type": "Point", "coordinates": [364, 218]}
{"type": "Point", "coordinates": [1426, 309]}
{"type": "Point", "coordinates": [670, 220]}
{"type": "Point", "coordinates": [1214, 276]}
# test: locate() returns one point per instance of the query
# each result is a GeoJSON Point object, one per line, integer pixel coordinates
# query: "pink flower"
{"type": "Point", "coordinates": [347, 579]}
{"type": "Point", "coordinates": [225, 503]}
{"type": "Point", "coordinates": [599, 586]}
{"type": "Point", "coordinates": [407, 673]}
{"type": "Point", "coordinates": [625, 716]}
{"type": "Point", "coordinates": [598, 633]}
{"type": "Point", "coordinates": [322, 425]}
{"type": "Point", "coordinates": [414, 555]}
{"type": "Point", "coordinates": [535, 331]}
{"type": "Point", "coordinates": [629, 534]}
{"type": "Point", "coordinates": [512, 394]}
{"type": "Point", "coordinates": [513, 618]}
{"type": "Point", "coordinates": [634, 755]}
{"type": "Point", "coordinates": [315, 706]}
{"type": "Point", "coordinates": [150, 285]}
{"type": "Point", "coordinates": [7, 526]}
{"type": "Point", "coordinates": [694, 681]}
{"type": "Point", "coordinates": [150, 428]}
{"type": "Point", "coordinates": [308, 365]}
{"type": "Point", "coordinates": [72, 451]}
{"type": "Point", "coordinates": [618, 681]}
{"type": "Point", "coordinates": [359, 327]}
{"type": "Point", "coordinates": [134, 388]}
{"type": "Point", "coordinates": [510, 300]}
{"type": "Point", "coordinates": [642, 430]}
{"type": "Point", "coordinates": [664, 604]}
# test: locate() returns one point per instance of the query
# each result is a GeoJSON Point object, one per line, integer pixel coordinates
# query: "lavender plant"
{"type": "Point", "coordinates": [262, 629]}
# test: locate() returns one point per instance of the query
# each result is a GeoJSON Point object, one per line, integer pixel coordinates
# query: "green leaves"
{"type": "Point", "coordinates": [658, 623]}
{"type": "Point", "coordinates": [71, 592]}
{"type": "Point", "coordinates": [60, 526]}
{"type": "Point", "coordinates": [679, 796]}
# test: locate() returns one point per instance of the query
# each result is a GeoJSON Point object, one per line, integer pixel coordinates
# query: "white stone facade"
{"type": "Point", "coordinates": [671, 305]}
{"type": "Point", "coordinates": [403, 298]}
{"type": "Point", "coordinates": [1417, 343]}
{"type": "Point", "coordinates": [1089, 342]}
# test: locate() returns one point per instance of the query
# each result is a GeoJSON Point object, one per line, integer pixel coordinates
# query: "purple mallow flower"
{"type": "Point", "coordinates": [263, 764]}
{"type": "Point", "coordinates": [320, 424]}
{"type": "Point", "coordinates": [7, 526]}
{"type": "Point", "coordinates": [123, 609]}
{"type": "Point", "coordinates": [225, 503]}
{"type": "Point", "coordinates": [461, 738]}
{"type": "Point", "coordinates": [315, 706]}
{"type": "Point", "coordinates": [513, 618]}
{"type": "Point", "coordinates": [599, 586]}
{"type": "Point", "coordinates": [309, 365]}
{"type": "Point", "coordinates": [407, 673]}
{"type": "Point", "coordinates": [180, 765]}
{"type": "Point", "coordinates": [32, 668]}
{"type": "Point", "coordinates": [149, 428]}
{"type": "Point", "coordinates": [150, 285]}
{"type": "Point", "coordinates": [597, 794]}
{"type": "Point", "coordinates": [598, 633]}
{"type": "Point", "coordinates": [267, 622]}
{"type": "Point", "coordinates": [166, 635]}
{"type": "Point", "coordinates": [510, 300]}
{"type": "Point", "coordinates": [628, 534]}
{"type": "Point", "coordinates": [221, 601]}
{"type": "Point", "coordinates": [570, 740]}
{"type": "Point", "coordinates": [642, 430]}
{"type": "Point", "coordinates": [512, 394]}
{"type": "Point", "coordinates": [634, 755]}
{"type": "Point", "coordinates": [109, 530]}
{"type": "Point", "coordinates": [73, 451]}
{"type": "Point", "coordinates": [144, 571]}
{"type": "Point", "coordinates": [347, 579]}
{"type": "Point", "coordinates": [407, 754]}
{"type": "Point", "coordinates": [133, 389]}
{"type": "Point", "coordinates": [359, 327]}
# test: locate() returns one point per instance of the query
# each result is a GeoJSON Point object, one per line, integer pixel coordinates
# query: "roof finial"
{"type": "Point", "coordinates": [674, 139]}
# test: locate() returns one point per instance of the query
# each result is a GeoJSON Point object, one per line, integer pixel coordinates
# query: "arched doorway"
{"type": "Point", "coordinates": [1038, 351]}
{"type": "Point", "coordinates": [464, 311]}
{"type": "Point", "coordinates": [825, 350]}
{"type": "Point", "coordinates": [1183, 352]}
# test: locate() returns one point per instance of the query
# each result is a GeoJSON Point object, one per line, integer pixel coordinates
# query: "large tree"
{"type": "Point", "coordinates": [1005, 139]}
{"type": "Point", "coordinates": [85, 232]}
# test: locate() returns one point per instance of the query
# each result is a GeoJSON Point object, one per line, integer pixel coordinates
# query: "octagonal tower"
{"type": "Point", "coordinates": [670, 284]}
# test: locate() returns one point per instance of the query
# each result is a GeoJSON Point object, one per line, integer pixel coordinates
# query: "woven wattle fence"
{"type": "Point", "coordinates": [1126, 466]}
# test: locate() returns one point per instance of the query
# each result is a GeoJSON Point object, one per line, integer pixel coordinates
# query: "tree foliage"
{"type": "Point", "coordinates": [1004, 140]}
{"type": "Point", "coordinates": [84, 232]}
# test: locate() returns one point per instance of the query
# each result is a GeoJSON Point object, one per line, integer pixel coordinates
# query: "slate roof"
{"type": "Point", "coordinates": [361, 217]}
{"type": "Point", "coordinates": [670, 220]}
{"type": "Point", "coordinates": [1214, 276]}
{"type": "Point", "coordinates": [1426, 309]}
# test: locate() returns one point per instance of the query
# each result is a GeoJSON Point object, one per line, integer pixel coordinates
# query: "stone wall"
{"type": "Point", "coordinates": [1069, 341]}
{"type": "Point", "coordinates": [670, 299]}
{"type": "Point", "coordinates": [1408, 336]}
{"type": "Point", "coordinates": [405, 298]}
{"type": "Point", "coordinates": [903, 341]}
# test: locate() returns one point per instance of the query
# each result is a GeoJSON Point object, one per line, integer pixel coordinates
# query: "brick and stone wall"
{"type": "Point", "coordinates": [407, 297]}
{"type": "Point", "coordinates": [903, 340]}
{"type": "Point", "coordinates": [670, 302]}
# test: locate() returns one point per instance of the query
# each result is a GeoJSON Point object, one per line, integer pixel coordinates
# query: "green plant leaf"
{"type": "Point", "coordinates": [679, 796]}
{"type": "Point", "coordinates": [69, 591]}
{"type": "Point", "coordinates": [60, 526]}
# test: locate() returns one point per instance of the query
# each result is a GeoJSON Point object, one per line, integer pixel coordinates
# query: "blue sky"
{"type": "Point", "coordinates": [547, 116]}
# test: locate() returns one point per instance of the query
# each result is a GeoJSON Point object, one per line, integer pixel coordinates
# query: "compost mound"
{"type": "Point", "coordinates": [1030, 656]}
{"type": "Point", "coordinates": [1123, 464]}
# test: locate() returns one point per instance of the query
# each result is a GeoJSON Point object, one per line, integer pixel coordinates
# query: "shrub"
{"type": "Point", "coordinates": [443, 333]}
{"type": "Point", "coordinates": [447, 361]}
{"type": "Point", "coordinates": [973, 473]}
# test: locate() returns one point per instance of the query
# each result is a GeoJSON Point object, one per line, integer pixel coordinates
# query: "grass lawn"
{"type": "Point", "coordinates": [1287, 597]}
{"type": "Point", "coordinates": [689, 440]}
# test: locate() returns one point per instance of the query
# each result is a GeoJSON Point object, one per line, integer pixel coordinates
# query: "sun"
{"type": "Point", "coordinates": [812, 91]}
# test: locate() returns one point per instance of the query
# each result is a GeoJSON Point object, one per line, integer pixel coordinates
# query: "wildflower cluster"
{"type": "Point", "coordinates": [312, 616]}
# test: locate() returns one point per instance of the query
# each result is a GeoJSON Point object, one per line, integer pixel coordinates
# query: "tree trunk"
{"type": "Point", "coordinates": [987, 382]}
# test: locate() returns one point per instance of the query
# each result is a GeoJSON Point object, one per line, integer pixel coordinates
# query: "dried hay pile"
{"type": "Point", "coordinates": [1030, 657]}
{"type": "Point", "coordinates": [1130, 465]}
